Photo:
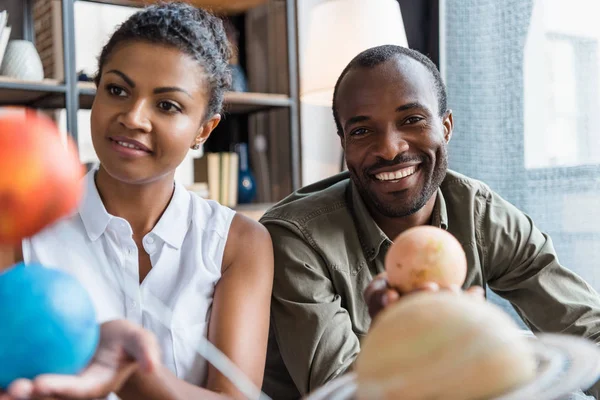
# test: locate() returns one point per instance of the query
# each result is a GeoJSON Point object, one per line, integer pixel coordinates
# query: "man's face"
{"type": "Point", "coordinates": [393, 137]}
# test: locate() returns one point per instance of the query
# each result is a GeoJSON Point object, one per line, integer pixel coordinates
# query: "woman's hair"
{"type": "Point", "coordinates": [194, 31]}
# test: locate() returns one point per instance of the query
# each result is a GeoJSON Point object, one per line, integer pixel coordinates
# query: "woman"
{"type": "Point", "coordinates": [146, 249]}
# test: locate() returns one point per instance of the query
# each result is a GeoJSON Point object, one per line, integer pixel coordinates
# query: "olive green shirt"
{"type": "Point", "coordinates": [328, 248]}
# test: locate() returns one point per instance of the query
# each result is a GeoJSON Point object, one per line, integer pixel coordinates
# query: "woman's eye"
{"type": "Point", "coordinates": [116, 91]}
{"type": "Point", "coordinates": [168, 106]}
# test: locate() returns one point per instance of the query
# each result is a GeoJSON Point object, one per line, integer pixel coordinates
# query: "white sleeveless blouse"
{"type": "Point", "coordinates": [174, 300]}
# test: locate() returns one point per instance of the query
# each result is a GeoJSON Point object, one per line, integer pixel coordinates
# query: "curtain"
{"type": "Point", "coordinates": [522, 78]}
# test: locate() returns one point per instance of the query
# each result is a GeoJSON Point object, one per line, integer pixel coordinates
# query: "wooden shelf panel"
{"type": "Point", "coordinates": [50, 94]}
{"type": "Point", "coordinates": [87, 91]}
{"type": "Point", "coordinates": [235, 102]}
{"type": "Point", "coordinates": [218, 6]}
{"type": "Point", "coordinates": [29, 93]}
{"type": "Point", "coordinates": [248, 102]}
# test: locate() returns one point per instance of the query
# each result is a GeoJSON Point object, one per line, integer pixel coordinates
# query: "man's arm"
{"type": "Point", "coordinates": [312, 328]}
{"type": "Point", "coordinates": [521, 266]}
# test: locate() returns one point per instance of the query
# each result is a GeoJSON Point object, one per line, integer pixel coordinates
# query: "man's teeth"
{"type": "Point", "coordinates": [392, 176]}
{"type": "Point", "coordinates": [129, 145]}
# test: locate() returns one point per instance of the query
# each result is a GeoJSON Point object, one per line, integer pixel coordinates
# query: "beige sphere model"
{"type": "Point", "coordinates": [425, 254]}
{"type": "Point", "coordinates": [442, 345]}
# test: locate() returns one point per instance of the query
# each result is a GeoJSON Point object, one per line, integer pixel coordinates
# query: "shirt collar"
{"type": "Point", "coordinates": [440, 212]}
{"type": "Point", "coordinates": [371, 236]}
{"type": "Point", "coordinates": [172, 226]}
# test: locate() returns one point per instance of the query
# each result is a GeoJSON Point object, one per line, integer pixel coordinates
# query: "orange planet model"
{"type": "Point", "coordinates": [40, 175]}
{"type": "Point", "coordinates": [425, 254]}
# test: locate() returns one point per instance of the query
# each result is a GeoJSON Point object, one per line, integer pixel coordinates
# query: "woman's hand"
{"type": "Point", "coordinates": [123, 349]}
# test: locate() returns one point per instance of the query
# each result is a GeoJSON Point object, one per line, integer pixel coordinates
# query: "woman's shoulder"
{"type": "Point", "coordinates": [210, 207]}
{"type": "Point", "coordinates": [248, 246]}
{"type": "Point", "coordinates": [211, 215]}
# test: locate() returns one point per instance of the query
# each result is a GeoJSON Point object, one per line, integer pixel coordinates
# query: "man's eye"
{"type": "Point", "coordinates": [413, 120]}
{"type": "Point", "coordinates": [358, 132]}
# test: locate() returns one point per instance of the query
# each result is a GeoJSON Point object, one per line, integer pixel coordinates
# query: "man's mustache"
{"type": "Point", "coordinates": [398, 160]}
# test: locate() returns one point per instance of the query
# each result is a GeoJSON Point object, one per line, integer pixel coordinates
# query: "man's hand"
{"type": "Point", "coordinates": [124, 348]}
{"type": "Point", "coordinates": [379, 294]}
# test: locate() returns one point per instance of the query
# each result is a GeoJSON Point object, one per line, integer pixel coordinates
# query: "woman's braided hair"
{"type": "Point", "coordinates": [194, 31]}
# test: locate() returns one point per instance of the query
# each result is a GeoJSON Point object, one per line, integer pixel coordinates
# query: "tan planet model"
{"type": "Point", "coordinates": [442, 345]}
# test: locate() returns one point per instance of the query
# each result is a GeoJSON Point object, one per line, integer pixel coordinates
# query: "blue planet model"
{"type": "Point", "coordinates": [47, 323]}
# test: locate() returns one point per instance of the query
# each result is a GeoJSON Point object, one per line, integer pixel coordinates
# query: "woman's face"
{"type": "Point", "coordinates": [148, 111]}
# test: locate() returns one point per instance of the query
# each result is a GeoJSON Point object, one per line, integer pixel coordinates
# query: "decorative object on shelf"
{"type": "Point", "coordinates": [260, 159]}
{"type": "Point", "coordinates": [246, 181]}
{"type": "Point", "coordinates": [83, 76]}
{"type": "Point", "coordinates": [333, 25]}
{"type": "Point", "coordinates": [22, 61]}
{"type": "Point", "coordinates": [239, 81]}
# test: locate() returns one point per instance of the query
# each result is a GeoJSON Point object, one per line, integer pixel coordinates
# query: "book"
{"type": "Point", "coordinates": [219, 172]}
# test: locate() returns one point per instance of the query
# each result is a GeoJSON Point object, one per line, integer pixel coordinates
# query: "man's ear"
{"type": "Point", "coordinates": [448, 124]}
{"type": "Point", "coordinates": [205, 130]}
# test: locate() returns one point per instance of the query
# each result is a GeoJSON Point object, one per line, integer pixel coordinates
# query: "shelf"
{"type": "Point", "coordinates": [50, 94]}
{"type": "Point", "coordinates": [218, 6]}
{"type": "Point", "coordinates": [87, 91]}
{"type": "Point", "coordinates": [248, 102]}
{"type": "Point", "coordinates": [235, 102]}
{"type": "Point", "coordinates": [29, 93]}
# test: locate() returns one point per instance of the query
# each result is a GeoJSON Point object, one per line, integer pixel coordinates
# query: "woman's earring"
{"type": "Point", "coordinates": [196, 146]}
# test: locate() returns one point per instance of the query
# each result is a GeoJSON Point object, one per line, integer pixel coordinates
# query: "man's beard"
{"type": "Point", "coordinates": [431, 184]}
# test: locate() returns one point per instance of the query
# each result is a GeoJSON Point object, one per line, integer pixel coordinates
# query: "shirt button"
{"type": "Point", "coordinates": [149, 240]}
{"type": "Point", "coordinates": [132, 304]}
{"type": "Point", "coordinates": [130, 251]}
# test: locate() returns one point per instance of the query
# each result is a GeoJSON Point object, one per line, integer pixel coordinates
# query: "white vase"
{"type": "Point", "coordinates": [22, 61]}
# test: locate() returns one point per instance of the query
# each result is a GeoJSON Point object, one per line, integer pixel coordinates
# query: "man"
{"type": "Point", "coordinates": [330, 238]}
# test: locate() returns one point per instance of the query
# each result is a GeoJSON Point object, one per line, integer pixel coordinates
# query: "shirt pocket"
{"type": "Point", "coordinates": [189, 363]}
